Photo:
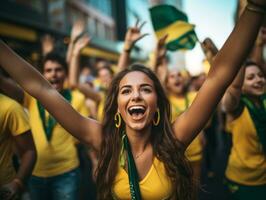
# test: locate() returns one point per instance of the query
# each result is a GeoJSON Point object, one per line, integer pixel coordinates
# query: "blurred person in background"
{"type": "Point", "coordinates": [15, 138]}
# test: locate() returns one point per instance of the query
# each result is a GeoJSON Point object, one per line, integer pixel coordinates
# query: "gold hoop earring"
{"type": "Point", "coordinates": [157, 121]}
{"type": "Point", "coordinates": [117, 120]}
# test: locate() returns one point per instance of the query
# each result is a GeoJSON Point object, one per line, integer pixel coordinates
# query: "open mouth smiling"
{"type": "Point", "coordinates": [54, 82]}
{"type": "Point", "coordinates": [136, 112]}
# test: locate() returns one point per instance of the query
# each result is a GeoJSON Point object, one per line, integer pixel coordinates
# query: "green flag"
{"type": "Point", "coordinates": [167, 19]}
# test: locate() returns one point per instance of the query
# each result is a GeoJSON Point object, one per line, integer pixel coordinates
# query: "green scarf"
{"type": "Point", "coordinates": [132, 170]}
{"type": "Point", "coordinates": [258, 116]}
{"type": "Point", "coordinates": [49, 125]}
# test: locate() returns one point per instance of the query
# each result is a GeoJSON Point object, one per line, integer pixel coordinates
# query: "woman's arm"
{"type": "Point", "coordinates": [84, 129]}
{"type": "Point", "coordinates": [159, 62]}
{"type": "Point", "coordinates": [27, 153]}
{"type": "Point", "coordinates": [257, 53]}
{"type": "Point", "coordinates": [224, 68]}
{"type": "Point", "coordinates": [231, 98]}
{"type": "Point", "coordinates": [77, 29]}
{"type": "Point", "coordinates": [73, 73]}
{"type": "Point", "coordinates": [11, 89]}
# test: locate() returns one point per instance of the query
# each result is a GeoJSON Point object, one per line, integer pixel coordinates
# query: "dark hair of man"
{"type": "Point", "coordinates": [249, 63]}
{"type": "Point", "coordinates": [55, 57]}
{"type": "Point", "coordinates": [165, 145]}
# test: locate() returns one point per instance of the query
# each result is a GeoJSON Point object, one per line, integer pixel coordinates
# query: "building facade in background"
{"type": "Point", "coordinates": [24, 22]}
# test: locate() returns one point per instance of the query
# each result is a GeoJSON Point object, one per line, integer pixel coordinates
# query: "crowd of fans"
{"type": "Point", "coordinates": [135, 120]}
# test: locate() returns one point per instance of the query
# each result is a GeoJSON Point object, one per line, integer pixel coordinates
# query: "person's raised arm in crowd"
{"type": "Point", "coordinates": [132, 36]}
{"type": "Point", "coordinates": [77, 30]}
{"type": "Point", "coordinates": [209, 49]}
{"type": "Point", "coordinates": [225, 67]}
{"type": "Point", "coordinates": [48, 44]}
{"type": "Point", "coordinates": [232, 95]}
{"type": "Point", "coordinates": [73, 75]}
{"type": "Point", "coordinates": [159, 61]}
{"type": "Point", "coordinates": [257, 53]}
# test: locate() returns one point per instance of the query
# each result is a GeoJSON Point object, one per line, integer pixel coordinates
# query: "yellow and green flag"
{"type": "Point", "coordinates": [167, 19]}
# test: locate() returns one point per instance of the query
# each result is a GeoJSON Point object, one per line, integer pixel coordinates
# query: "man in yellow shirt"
{"type": "Point", "coordinates": [14, 130]}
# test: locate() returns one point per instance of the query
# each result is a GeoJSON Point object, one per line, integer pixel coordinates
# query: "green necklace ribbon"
{"type": "Point", "coordinates": [258, 115]}
{"type": "Point", "coordinates": [48, 125]}
{"type": "Point", "coordinates": [132, 170]}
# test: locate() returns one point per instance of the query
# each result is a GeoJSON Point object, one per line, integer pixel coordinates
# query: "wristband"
{"type": "Point", "coordinates": [127, 47]}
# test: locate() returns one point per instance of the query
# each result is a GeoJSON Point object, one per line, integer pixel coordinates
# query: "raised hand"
{"type": "Point", "coordinates": [81, 43]}
{"type": "Point", "coordinates": [209, 49]}
{"type": "Point", "coordinates": [160, 50]}
{"type": "Point", "coordinates": [77, 29]}
{"type": "Point", "coordinates": [133, 35]}
{"type": "Point", "coordinates": [47, 44]}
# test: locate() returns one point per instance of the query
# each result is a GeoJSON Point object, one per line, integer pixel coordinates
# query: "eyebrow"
{"type": "Point", "coordinates": [141, 85]}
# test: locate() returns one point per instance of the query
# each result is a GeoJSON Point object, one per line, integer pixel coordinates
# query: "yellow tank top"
{"type": "Point", "coordinates": [247, 163]}
{"type": "Point", "coordinates": [178, 106]}
{"type": "Point", "coordinates": [156, 185]}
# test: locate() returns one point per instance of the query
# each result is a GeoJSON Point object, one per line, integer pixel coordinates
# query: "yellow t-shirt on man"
{"type": "Point", "coordinates": [13, 122]}
{"type": "Point", "coordinates": [59, 155]}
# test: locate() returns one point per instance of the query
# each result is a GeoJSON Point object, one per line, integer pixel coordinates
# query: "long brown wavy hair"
{"type": "Point", "coordinates": [166, 146]}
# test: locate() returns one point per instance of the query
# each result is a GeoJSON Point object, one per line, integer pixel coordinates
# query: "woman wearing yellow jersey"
{"type": "Point", "coordinates": [176, 86]}
{"type": "Point", "coordinates": [245, 104]}
{"type": "Point", "coordinates": [180, 100]}
{"type": "Point", "coordinates": [138, 146]}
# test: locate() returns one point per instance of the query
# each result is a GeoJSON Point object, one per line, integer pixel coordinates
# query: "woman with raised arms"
{"type": "Point", "coordinates": [141, 154]}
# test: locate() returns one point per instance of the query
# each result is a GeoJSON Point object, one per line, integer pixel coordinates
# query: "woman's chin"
{"type": "Point", "coordinates": [138, 126]}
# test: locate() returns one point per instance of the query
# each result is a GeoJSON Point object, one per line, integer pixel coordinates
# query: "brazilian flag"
{"type": "Point", "coordinates": [167, 19]}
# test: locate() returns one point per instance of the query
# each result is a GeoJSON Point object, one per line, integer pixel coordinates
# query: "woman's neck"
{"type": "Point", "coordinates": [139, 140]}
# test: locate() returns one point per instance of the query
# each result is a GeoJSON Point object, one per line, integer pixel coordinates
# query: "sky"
{"type": "Point", "coordinates": [214, 19]}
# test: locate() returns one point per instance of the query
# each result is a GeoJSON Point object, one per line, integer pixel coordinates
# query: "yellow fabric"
{"type": "Point", "coordinates": [59, 155]}
{"type": "Point", "coordinates": [247, 162]}
{"type": "Point", "coordinates": [96, 83]}
{"type": "Point", "coordinates": [100, 110]}
{"type": "Point", "coordinates": [156, 184]}
{"type": "Point", "coordinates": [174, 30]}
{"type": "Point", "coordinates": [178, 106]}
{"type": "Point", "coordinates": [13, 122]}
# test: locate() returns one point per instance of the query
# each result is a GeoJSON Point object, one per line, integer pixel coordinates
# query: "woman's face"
{"type": "Point", "coordinates": [105, 77]}
{"type": "Point", "coordinates": [137, 100]}
{"type": "Point", "coordinates": [254, 81]}
{"type": "Point", "coordinates": [175, 82]}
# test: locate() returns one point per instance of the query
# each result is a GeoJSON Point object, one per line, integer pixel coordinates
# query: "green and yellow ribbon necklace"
{"type": "Point", "coordinates": [48, 125]}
